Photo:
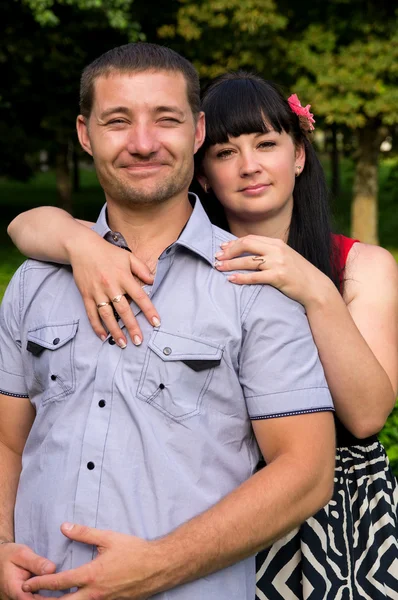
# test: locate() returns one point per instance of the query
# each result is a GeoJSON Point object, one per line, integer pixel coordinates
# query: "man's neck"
{"type": "Point", "coordinates": [148, 230]}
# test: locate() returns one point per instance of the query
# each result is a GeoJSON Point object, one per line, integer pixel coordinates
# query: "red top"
{"type": "Point", "coordinates": [343, 245]}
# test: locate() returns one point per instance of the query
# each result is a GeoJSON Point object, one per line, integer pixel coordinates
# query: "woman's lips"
{"type": "Point", "coordinates": [253, 190]}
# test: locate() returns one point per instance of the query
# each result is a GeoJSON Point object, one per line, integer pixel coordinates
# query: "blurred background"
{"type": "Point", "coordinates": [340, 56]}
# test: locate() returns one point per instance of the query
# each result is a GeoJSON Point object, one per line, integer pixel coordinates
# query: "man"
{"type": "Point", "coordinates": [147, 453]}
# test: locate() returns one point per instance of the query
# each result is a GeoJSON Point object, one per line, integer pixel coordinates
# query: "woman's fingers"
{"type": "Point", "coordinates": [140, 269]}
{"type": "Point", "coordinates": [94, 318]}
{"type": "Point", "coordinates": [257, 277]}
{"type": "Point", "coordinates": [107, 316]}
{"type": "Point", "coordinates": [141, 298]}
{"type": "Point", "coordinates": [254, 244]}
{"type": "Point", "coordinates": [245, 263]}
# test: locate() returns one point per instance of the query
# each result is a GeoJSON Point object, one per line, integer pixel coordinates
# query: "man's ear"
{"type": "Point", "coordinates": [82, 134]}
{"type": "Point", "coordinates": [202, 179]}
{"type": "Point", "coordinates": [200, 132]}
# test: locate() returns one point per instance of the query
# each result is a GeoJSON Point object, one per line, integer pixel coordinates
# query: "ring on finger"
{"type": "Point", "coordinates": [101, 304]}
{"type": "Point", "coordinates": [117, 299]}
{"type": "Point", "coordinates": [260, 259]}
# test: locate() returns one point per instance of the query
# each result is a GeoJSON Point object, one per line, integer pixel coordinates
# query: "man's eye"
{"type": "Point", "coordinates": [116, 122]}
{"type": "Point", "coordinates": [170, 120]}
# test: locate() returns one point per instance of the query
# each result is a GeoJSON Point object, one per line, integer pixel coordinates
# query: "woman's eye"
{"type": "Point", "coordinates": [224, 153]}
{"type": "Point", "coordinates": [267, 145]}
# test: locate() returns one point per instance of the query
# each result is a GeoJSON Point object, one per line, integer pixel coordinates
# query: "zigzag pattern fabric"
{"type": "Point", "coordinates": [349, 549]}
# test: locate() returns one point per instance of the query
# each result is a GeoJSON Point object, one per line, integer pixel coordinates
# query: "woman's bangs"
{"type": "Point", "coordinates": [238, 107]}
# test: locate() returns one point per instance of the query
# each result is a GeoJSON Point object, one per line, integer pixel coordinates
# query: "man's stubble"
{"type": "Point", "coordinates": [124, 193]}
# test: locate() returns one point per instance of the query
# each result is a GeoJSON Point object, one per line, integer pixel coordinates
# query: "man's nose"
{"type": "Point", "coordinates": [249, 164]}
{"type": "Point", "coordinates": [142, 140]}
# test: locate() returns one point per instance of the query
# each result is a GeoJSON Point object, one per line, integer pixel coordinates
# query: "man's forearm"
{"type": "Point", "coordinates": [10, 470]}
{"type": "Point", "coordinates": [263, 509]}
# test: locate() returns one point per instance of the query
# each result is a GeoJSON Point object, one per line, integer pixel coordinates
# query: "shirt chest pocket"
{"type": "Point", "coordinates": [51, 353]}
{"type": "Point", "coordinates": [177, 372]}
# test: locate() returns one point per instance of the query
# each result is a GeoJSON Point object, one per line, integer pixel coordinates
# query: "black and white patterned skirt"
{"type": "Point", "coordinates": [349, 549]}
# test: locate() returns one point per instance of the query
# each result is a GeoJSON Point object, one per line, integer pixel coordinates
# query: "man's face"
{"type": "Point", "coordinates": [142, 135]}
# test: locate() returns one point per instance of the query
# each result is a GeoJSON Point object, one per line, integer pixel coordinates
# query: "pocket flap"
{"type": "Point", "coordinates": [52, 337]}
{"type": "Point", "coordinates": [172, 346]}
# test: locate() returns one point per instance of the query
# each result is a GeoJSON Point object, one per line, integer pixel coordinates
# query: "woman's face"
{"type": "Point", "coordinates": [253, 175]}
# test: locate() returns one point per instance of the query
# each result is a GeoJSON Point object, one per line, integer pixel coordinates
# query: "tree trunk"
{"type": "Point", "coordinates": [335, 164]}
{"type": "Point", "coordinates": [364, 224]}
{"type": "Point", "coordinates": [63, 177]}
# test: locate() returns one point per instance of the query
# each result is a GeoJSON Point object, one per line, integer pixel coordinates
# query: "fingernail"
{"type": "Point", "coordinates": [68, 526]}
{"type": "Point", "coordinates": [122, 343]}
{"type": "Point", "coordinates": [231, 278]}
{"type": "Point", "coordinates": [103, 337]}
{"type": "Point", "coordinates": [217, 264]}
{"type": "Point", "coordinates": [219, 254]}
{"type": "Point", "coordinates": [26, 587]}
{"type": "Point", "coordinates": [155, 322]}
{"type": "Point", "coordinates": [137, 340]}
{"type": "Point", "coordinates": [224, 245]}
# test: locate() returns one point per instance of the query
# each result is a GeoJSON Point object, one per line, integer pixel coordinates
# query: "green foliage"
{"type": "Point", "coordinates": [117, 13]}
{"type": "Point", "coordinates": [225, 34]}
{"type": "Point", "coordinates": [389, 439]}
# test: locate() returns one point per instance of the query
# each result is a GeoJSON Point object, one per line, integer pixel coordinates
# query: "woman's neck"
{"type": "Point", "coordinates": [272, 226]}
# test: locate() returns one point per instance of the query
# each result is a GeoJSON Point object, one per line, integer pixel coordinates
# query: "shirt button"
{"type": "Point", "coordinates": [167, 351]}
{"type": "Point", "coordinates": [53, 377]}
{"type": "Point", "coordinates": [115, 238]}
{"type": "Point", "coordinates": [90, 466]}
{"type": "Point", "coordinates": [56, 341]}
{"type": "Point", "coordinates": [161, 386]}
{"type": "Point", "coordinates": [111, 341]}
{"type": "Point", "coordinates": [101, 403]}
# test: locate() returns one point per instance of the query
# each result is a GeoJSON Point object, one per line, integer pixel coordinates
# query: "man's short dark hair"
{"type": "Point", "coordinates": [135, 58]}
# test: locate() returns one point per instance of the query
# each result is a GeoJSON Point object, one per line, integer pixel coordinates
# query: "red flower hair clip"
{"type": "Point", "coordinates": [303, 112]}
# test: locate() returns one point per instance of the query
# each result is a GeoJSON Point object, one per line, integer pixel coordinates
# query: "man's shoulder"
{"type": "Point", "coordinates": [220, 235]}
{"type": "Point", "coordinates": [33, 277]}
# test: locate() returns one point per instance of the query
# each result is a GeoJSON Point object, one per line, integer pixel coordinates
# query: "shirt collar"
{"type": "Point", "coordinates": [197, 235]}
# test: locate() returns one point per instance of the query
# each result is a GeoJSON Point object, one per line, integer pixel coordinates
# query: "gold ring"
{"type": "Point", "coordinates": [117, 299]}
{"type": "Point", "coordinates": [101, 304]}
{"type": "Point", "coordinates": [260, 259]}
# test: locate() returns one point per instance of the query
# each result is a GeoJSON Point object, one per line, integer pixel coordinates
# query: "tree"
{"type": "Point", "coordinates": [44, 60]}
{"type": "Point", "coordinates": [350, 74]}
{"type": "Point", "coordinates": [339, 55]}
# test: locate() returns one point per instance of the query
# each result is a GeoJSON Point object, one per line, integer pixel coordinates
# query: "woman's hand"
{"type": "Point", "coordinates": [103, 272]}
{"type": "Point", "coordinates": [273, 262]}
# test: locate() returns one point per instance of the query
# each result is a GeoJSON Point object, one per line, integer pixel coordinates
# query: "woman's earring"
{"type": "Point", "coordinates": [206, 188]}
{"type": "Point", "coordinates": [298, 170]}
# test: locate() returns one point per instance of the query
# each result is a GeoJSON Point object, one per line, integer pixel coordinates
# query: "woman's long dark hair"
{"type": "Point", "coordinates": [243, 103]}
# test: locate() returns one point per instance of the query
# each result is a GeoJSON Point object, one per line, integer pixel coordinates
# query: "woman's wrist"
{"type": "Point", "coordinates": [77, 241]}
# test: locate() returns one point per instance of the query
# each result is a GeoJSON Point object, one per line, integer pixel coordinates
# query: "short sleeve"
{"type": "Point", "coordinates": [280, 370]}
{"type": "Point", "coordinates": [12, 380]}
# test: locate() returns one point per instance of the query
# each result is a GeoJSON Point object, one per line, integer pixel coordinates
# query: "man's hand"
{"type": "Point", "coordinates": [124, 568]}
{"type": "Point", "coordinates": [17, 564]}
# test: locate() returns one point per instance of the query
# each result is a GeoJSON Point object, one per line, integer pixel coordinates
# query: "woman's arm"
{"type": "Point", "coordinates": [101, 270]}
{"type": "Point", "coordinates": [357, 337]}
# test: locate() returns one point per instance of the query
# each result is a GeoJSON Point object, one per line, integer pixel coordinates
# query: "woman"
{"type": "Point", "coordinates": [258, 162]}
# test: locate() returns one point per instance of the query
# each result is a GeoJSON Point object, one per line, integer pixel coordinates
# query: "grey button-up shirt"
{"type": "Point", "coordinates": [141, 440]}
